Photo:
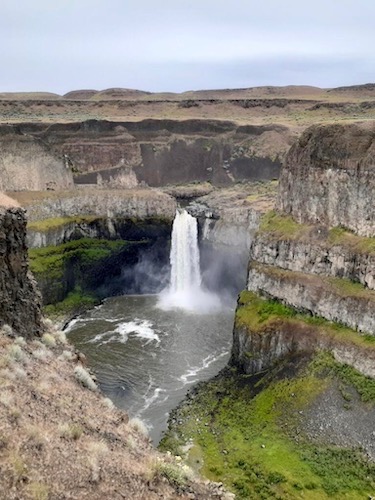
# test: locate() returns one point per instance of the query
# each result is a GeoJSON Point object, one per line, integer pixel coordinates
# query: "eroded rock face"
{"type": "Point", "coordinates": [26, 164]}
{"type": "Point", "coordinates": [313, 294]}
{"type": "Point", "coordinates": [329, 177]}
{"type": "Point", "coordinates": [137, 204]}
{"type": "Point", "coordinates": [315, 257]}
{"type": "Point", "coordinates": [253, 352]}
{"type": "Point", "coordinates": [20, 300]}
{"type": "Point", "coordinates": [161, 152]}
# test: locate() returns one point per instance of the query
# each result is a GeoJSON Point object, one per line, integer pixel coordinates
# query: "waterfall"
{"type": "Point", "coordinates": [185, 270]}
{"type": "Point", "coordinates": [185, 290]}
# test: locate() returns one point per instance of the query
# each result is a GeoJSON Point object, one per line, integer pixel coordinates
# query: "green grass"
{"type": "Point", "coordinates": [51, 260]}
{"type": "Point", "coordinates": [365, 386]}
{"type": "Point", "coordinates": [246, 433]}
{"type": "Point", "coordinates": [258, 315]}
{"type": "Point", "coordinates": [57, 222]}
{"type": "Point", "coordinates": [76, 301]}
{"type": "Point", "coordinates": [284, 227]}
{"type": "Point", "coordinates": [281, 226]}
{"type": "Point", "coordinates": [343, 287]}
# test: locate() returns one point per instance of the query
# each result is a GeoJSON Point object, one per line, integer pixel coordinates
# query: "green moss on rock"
{"type": "Point", "coordinates": [246, 432]}
{"type": "Point", "coordinates": [284, 227]}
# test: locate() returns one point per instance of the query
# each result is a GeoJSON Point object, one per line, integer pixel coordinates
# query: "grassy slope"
{"type": "Point", "coordinates": [80, 257]}
{"type": "Point", "coordinates": [259, 314]}
{"type": "Point", "coordinates": [283, 227]}
{"type": "Point", "coordinates": [246, 432]}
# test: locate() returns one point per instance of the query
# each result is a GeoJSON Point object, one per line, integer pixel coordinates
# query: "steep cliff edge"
{"type": "Point", "coordinates": [27, 163]}
{"type": "Point", "coordinates": [300, 257]}
{"type": "Point", "coordinates": [160, 151]}
{"type": "Point", "coordinates": [20, 304]}
{"type": "Point", "coordinates": [86, 244]}
{"type": "Point", "coordinates": [329, 177]}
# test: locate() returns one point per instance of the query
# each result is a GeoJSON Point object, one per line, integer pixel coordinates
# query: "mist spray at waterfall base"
{"type": "Point", "coordinates": [185, 290]}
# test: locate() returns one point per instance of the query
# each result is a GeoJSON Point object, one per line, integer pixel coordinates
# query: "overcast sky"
{"type": "Point", "coordinates": [176, 45]}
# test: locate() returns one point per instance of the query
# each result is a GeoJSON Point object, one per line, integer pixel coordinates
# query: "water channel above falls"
{"type": "Point", "coordinates": [146, 358]}
{"type": "Point", "coordinates": [148, 350]}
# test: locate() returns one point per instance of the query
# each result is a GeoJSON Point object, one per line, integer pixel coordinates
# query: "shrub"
{"type": "Point", "coordinates": [15, 353]}
{"type": "Point", "coordinates": [176, 474]}
{"type": "Point", "coordinates": [137, 424]}
{"type": "Point", "coordinates": [108, 403]}
{"type": "Point", "coordinates": [61, 337]}
{"type": "Point", "coordinates": [71, 431]}
{"type": "Point", "coordinates": [42, 354]}
{"type": "Point", "coordinates": [85, 378]}
{"type": "Point", "coordinates": [49, 340]}
{"type": "Point", "coordinates": [68, 356]}
{"type": "Point", "coordinates": [20, 341]}
{"type": "Point", "coordinates": [7, 330]}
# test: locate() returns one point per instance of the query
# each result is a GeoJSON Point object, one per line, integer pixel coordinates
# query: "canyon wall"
{"type": "Point", "coordinates": [26, 163]}
{"type": "Point", "coordinates": [311, 273]}
{"type": "Point", "coordinates": [160, 152]}
{"type": "Point", "coordinates": [328, 177]}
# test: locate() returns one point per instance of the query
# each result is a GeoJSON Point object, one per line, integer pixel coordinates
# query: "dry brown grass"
{"type": "Point", "coordinates": [60, 440]}
{"type": "Point", "coordinates": [290, 105]}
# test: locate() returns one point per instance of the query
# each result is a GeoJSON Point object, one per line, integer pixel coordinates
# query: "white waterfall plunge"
{"type": "Point", "coordinates": [185, 270]}
{"type": "Point", "coordinates": [185, 290]}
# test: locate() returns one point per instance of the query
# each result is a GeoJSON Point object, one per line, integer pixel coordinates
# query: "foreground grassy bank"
{"type": "Point", "coordinates": [251, 432]}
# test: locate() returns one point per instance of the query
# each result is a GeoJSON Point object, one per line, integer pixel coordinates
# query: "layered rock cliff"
{"type": "Point", "coordinates": [160, 152]}
{"type": "Point", "coordinates": [306, 257]}
{"type": "Point", "coordinates": [329, 177]}
{"type": "Point", "coordinates": [27, 163]}
{"type": "Point", "coordinates": [20, 304]}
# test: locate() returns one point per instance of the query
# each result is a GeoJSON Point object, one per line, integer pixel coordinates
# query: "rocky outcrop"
{"type": "Point", "coordinates": [319, 253]}
{"type": "Point", "coordinates": [228, 220]}
{"type": "Point", "coordinates": [138, 204]}
{"type": "Point", "coordinates": [329, 177]}
{"type": "Point", "coordinates": [161, 152]}
{"type": "Point", "coordinates": [26, 163]}
{"type": "Point", "coordinates": [20, 304]}
{"type": "Point", "coordinates": [256, 349]}
{"type": "Point", "coordinates": [333, 299]}
{"type": "Point", "coordinates": [312, 263]}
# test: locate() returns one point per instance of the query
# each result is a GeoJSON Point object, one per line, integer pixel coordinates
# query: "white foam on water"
{"type": "Point", "coordinates": [137, 328]}
{"type": "Point", "coordinates": [149, 400]}
{"type": "Point", "coordinates": [188, 377]}
{"type": "Point", "coordinates": [76, 321]}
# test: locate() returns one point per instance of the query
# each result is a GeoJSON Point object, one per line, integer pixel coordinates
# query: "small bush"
{"type": "Point", "coordinates": [61, 337]}
{"type": "Point", "coordinates": [71, 431]}
{"type": "Point", "coordinates": [176, 474]}
{"type": "Point", "coordinates": [15, 353]}
{"type": "Point", "coordinates": [20, 341]}
{"type": "Point", "coordinates": [108, 403]}
{"type": "Point", "coordinates": [42, 354]}
{"type": "Point", "coordinates": [68, 356]}
{"type": "Point", "coordinates": [49, 340]}
{"type": "Point", "coordinates": [96, 452]}
{"type": "Point", "coordinates": [137, 424]}
{"type": "Point", "coordinates": [38, 491]}
{"type": "Point", "coordinates": [84, 378]}
{"type": "Point", "coordinates": [7, 330]}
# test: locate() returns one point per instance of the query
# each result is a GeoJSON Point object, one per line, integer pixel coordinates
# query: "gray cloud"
{"type": "Point", "coordinates": [169, 45]}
